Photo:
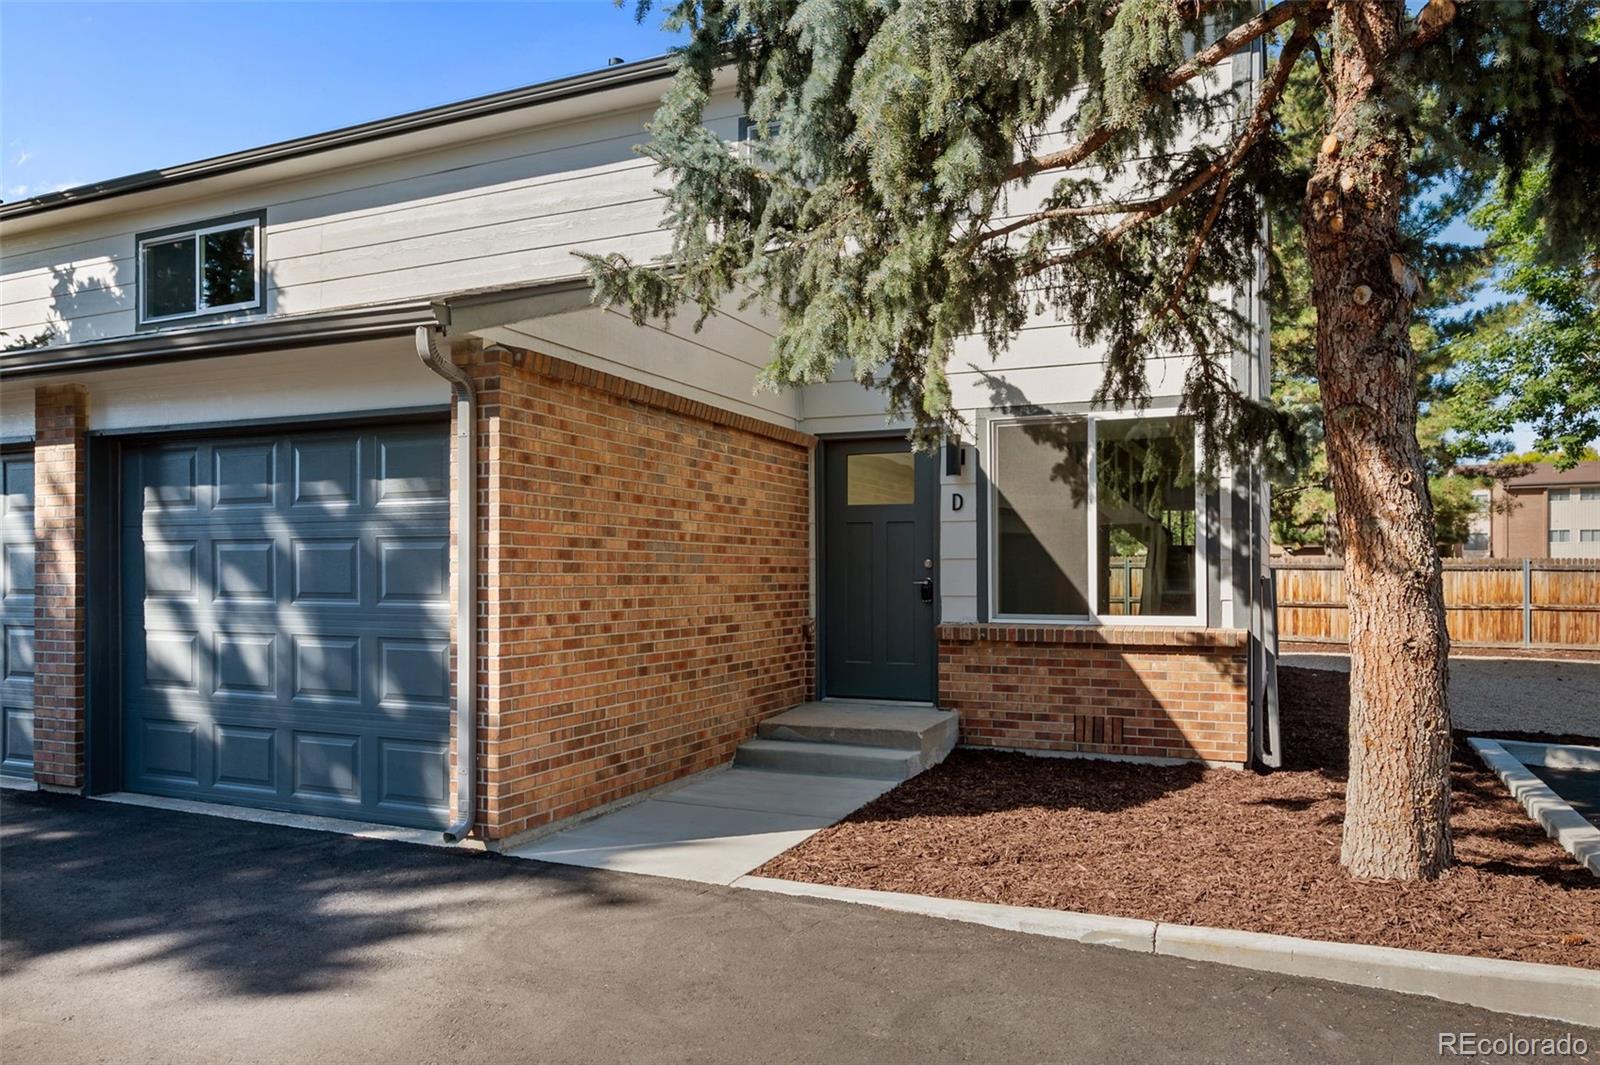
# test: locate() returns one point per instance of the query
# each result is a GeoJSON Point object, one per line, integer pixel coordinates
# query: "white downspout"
{"type": "Point", "coordinates": [466, 718]}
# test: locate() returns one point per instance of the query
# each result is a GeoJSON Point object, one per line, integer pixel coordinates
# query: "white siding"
{"type": "Point", "coordinates": [718, 364]}
{"type": "Point", "coordinates": [507, 210]}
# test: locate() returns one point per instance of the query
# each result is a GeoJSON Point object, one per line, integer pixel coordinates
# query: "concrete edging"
{"type": "Point", "coordinates": [1553, 755]}
{"type": "Point", "coordinates": [1552, 813]}
{"type": "Point", "coordinates": [1555, 992]}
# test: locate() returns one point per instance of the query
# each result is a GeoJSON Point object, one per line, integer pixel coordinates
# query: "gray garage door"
{"type": "Point", "coordinates": [16, 614]}
{"type": "Point", "coordinates": [286, 623]}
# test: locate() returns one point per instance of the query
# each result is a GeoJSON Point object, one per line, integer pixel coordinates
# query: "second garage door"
{"type": "Point", "coordinates": [286, 622]}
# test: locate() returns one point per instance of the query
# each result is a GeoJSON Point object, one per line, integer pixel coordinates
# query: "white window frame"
{"type": "Point", "coordinates": [198, 234]}
{"type": "Point", "coordinates": [1202, 589]}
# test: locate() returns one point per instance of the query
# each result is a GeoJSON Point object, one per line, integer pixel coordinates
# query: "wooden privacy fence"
{"type": "Point", "coordinates": [1539, 602]}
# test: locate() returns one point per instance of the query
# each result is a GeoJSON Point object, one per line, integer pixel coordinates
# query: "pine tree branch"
{"type": "Point", "coordinates": [1586, 121]}
{"type": "Point", "coordinates": [1432, 21]}
{"type": "Point", "coordinates": [1260, 119]}
{"type": "Point", "coordinates": [1203, 60]}
{"type": "Point", "coordinates": [1304, 36]}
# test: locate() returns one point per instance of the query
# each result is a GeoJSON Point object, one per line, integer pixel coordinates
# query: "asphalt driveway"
{"type": "Point", "coordinates": [133, 934]}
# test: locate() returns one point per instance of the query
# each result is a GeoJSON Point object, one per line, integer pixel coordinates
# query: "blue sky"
{"type": "Point", "coordinates": [155, 84]}
{"type": "Point", "coordinates": [146, 85]}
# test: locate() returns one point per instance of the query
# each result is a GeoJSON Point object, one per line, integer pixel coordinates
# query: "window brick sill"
{"type": "Point", "coordinates": [1095, 635]}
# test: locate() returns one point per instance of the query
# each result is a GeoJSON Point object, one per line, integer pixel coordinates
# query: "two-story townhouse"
{"type": "Point", "coordinates": [330, 470]}
{"type": "Point", "coordinates": [1547, 513]}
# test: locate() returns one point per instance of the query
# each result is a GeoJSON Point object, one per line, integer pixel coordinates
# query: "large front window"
{"type": "Point", "coordinates": [1095, 519]}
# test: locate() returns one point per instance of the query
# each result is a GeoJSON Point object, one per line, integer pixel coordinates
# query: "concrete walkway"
{"type": "Point", "coordinates": [713, 829]}
{"type": "Point", "coordinates": [134, 935]}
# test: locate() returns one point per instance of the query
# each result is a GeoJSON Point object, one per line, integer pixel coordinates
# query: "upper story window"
{"type": "Point", "coordinates": [1096, 519]}
{"type": "Point", "coordinates": [208, 269]}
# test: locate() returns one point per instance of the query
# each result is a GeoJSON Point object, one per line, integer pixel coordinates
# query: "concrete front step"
{"type": "Point", "coordinates": [879, 741]}
{"type": "Point", "coordinates": [915, 728]}
{"type": "Point", "coordinates": [830, 759]}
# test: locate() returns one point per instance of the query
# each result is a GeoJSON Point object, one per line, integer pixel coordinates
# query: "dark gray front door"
{"type": "Point", "coordinates": [286, 622]}
{"type": "Point", "coordinates": [880, 592]}
{"type": "Point", "coordinates": [16, 614]}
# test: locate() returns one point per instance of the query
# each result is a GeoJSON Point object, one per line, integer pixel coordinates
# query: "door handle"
{"type": "Point", "coordinates": [925, 587]}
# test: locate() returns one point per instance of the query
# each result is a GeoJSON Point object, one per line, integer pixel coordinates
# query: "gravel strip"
{"type": "Point", "coordinates": [1507, 694]}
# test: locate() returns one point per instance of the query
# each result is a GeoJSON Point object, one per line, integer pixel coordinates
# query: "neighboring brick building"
{"type": "Point", "coordinates": [1547, 513]}
{"type": "Point", "coordinates": [234, 498]}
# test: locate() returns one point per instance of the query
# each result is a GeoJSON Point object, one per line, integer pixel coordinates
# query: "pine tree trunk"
{"type": "Point", "coordinates": [1398, 799]}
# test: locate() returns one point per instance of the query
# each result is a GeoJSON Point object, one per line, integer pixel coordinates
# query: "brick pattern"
{"type": "Point", "coordinates": [1148, 691]}
{"type": "Point", "coordinates": [644, 585]}
{"type": "Point", "coordinates": [61, 418]}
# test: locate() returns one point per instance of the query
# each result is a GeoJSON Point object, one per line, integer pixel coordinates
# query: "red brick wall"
{"type": "Point", "coordinates": [1156, 692]}
{"type": "Point", "coordinates": [61, 417]}
{"type": "Point", "coordinates": [644, 590]}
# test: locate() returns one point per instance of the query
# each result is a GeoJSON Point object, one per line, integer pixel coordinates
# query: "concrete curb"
{"type": "Point", "coordinates": [1553, 813]}
{"type": "Point", "coordinates": [1125, 932]}
{"type": "Point", "coordinates": [1555, 992]}
{"type": "Point", "coordinates": [1553, 755]}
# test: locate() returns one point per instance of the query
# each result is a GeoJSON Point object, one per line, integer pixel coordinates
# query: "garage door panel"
{"type": "Point", "coordinates": [16, 474]}
{"type": "Point", "coordinates": [17, 575]}
{"type": "Point", "coordinates": [290, 610]}
{"type": "Point", "coordinates": [244, 571]}
{"type": "Point", "coordinates": [171, 662]}
{"type": "Point", "coordinates": [172, 570]}
{"type": "Point", "coordinates": [413, 469]}
{"type": "Point", "coordinates": [169, 480]}
{"type": "Point", "coordinates": [413, 673]}
{"type": "Point", "coordinates": [246, 665]}
{"type": "Point", "coordinates": [326, 571]}
{"type": "Point", "coordinates": [326, 669]}
{"type": "Point", "coordinates": [245, 475]}
{"type": "Point", "coordinates": [413, 774]}
{"type": "Point", "coordinates": [16, 655]}
{"type": "Point", "coordinates": [327, 765]}
{"type": "Point", "coordinates": [168, 749]}
{"type": "Point", "coordinates": [16, 740]}
{"type": "Point", "coordinates": [413, 570]}
{"type": "Point", "coordinates": [19, 570]}
{"type": "Point", "coordinates": [327, 473]}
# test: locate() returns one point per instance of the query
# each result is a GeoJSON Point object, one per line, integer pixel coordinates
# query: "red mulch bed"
{"type": "Point", "coordinates": [1219, 847]}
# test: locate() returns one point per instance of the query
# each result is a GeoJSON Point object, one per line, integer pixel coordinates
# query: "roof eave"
{"type": "Point", "coordinates": [619, 76]}
{"type": "Point", "coordinates": [455, 314]}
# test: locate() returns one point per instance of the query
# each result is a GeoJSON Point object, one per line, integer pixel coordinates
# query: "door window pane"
{"type": "Point", "coordinates": [883, 479]}
{"type": "Point", "coordinates": [229, 267]}
{"type": "Point", "coordinates": [1041, 486]}
{"type": "Point", "coordinates": [169, 278]}
{"type": "Point", "coordinates": [1145, 516]}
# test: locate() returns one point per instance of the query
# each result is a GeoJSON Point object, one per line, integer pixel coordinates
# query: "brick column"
{"type": "Point", "coordinates": [61, 417]}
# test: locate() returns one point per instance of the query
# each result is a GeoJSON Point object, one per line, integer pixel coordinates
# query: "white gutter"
{"type": "Point", "coordinates": [466, 717]}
